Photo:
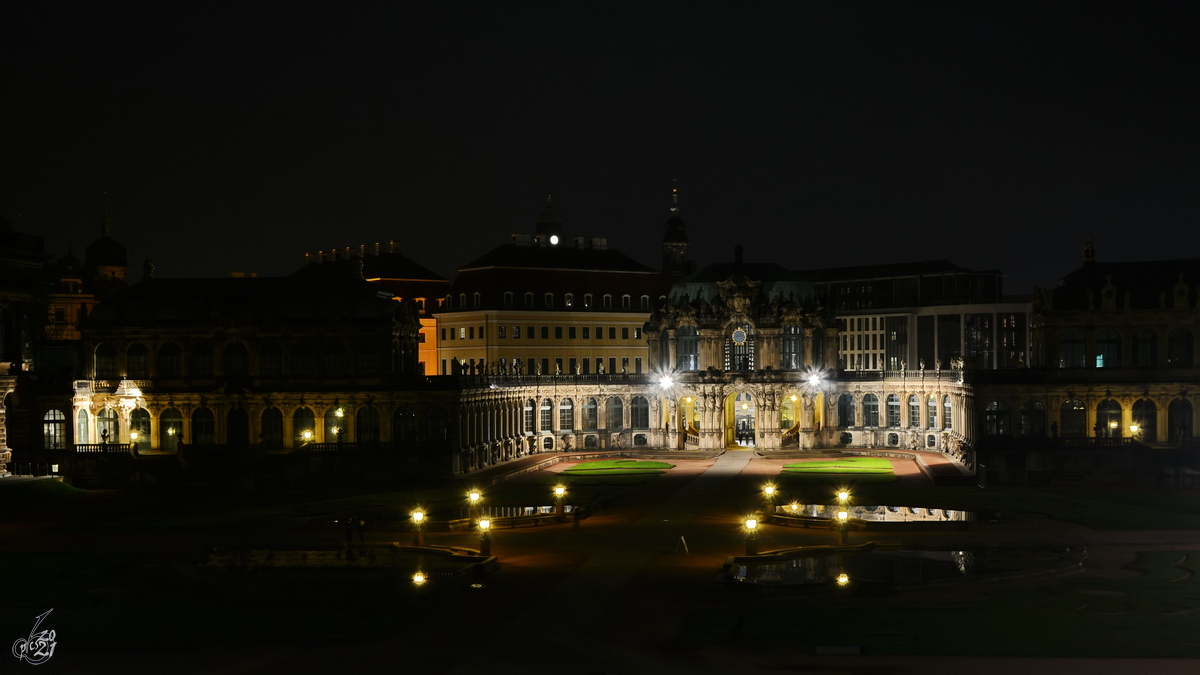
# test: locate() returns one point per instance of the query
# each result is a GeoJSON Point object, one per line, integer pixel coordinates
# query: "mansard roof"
{"type": "Point", "coordinates": [561, 257]}
{"type": "Point", "coordinates": [1150, 284]}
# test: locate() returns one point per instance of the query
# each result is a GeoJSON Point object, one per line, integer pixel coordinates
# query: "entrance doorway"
{"type": "Point", "coordinates": [739, 421]}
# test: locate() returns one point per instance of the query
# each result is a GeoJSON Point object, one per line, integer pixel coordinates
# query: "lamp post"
{"type": "Point", "coordinates": [418, 521]}
{"type": "Point", "coordinates": [485, 542]}
{"type": "Point", "coordinates": [751, 528]}
{"type": "Point", "coordinates": [473, 499]}
{"type": "Point", "coordinates": [843, 516]}
{"type": "Point", "coordinates": [768, 502]}
{"type": "Point", "coordinates": [560, 493]}
{"type": "Point", "coordinates": [419, 578]}
{"type": "Point", "coordinates": [664, 384]}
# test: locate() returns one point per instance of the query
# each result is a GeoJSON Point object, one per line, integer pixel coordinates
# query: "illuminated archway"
{"type": "Point", "coordinates": [740, 411]}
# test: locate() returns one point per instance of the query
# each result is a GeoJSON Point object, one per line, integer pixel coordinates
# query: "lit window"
{"type": "Point", "coordinates": [587, 300]}
{"type": "Point", "coordinates": [568, 300]}
{"type": "Point", "coordinates": [501, 332]}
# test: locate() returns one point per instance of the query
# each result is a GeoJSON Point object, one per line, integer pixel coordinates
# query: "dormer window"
{"type": "Point", "coordinates": [645, 302]}
{"type": "Point", "coordinates": [508, 299]}
{"type": "Point", "coordinates": [476, 299]}
{"type": "Point", "coordinates": [529, 299]}
{"type": "Point", "coordinates": [448, 303]}
{"type": "Point", "coordinates": [587, 300]}
{"type": "Point", "coordinates": [549, 299]}
{"type": "Point", "coordinates": [462, 300]}
{"type": "Point", "coordinates": [607, 301]}
{"type": "Point", "coordinates": [625, 302]}
{"type": "Point", "coordinates": [569, 300]}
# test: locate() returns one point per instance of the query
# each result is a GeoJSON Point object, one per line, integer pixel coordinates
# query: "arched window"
{"type": "Point", "coordinates": [1179, 420]}
{"type": "Point", "coordinates": [1179, 348]}
{"type": "Point", "coordinates": [1145, 418]}
{"type": "Point", "coordinates": [569, 300]}
{"type": "Point", "coordinates": [529, 406]}
{"type": "Point", "coordinates": [54, 430]}
{"type": "Point", "coordinates": [106, 362]}
{"type": "Point", "coordinates": [739, 348]}
{"type": "Point", "coordinates": [333, 358]}
{"type": "Point", "coordinates": [931, 416]}
{"type": "Point", "coordinates": [1074, 419]}
{"type": "Point", "coordinates": [477, 299]}
{"type": "Point", "coordinates": [787, 413]}
{"type": "Point", "coordinates": [366, 425]}
{"type": "Point", "coordinates": [529, 299]}
{"type": "Point", "coordinates": [613, 414]}
{"type": "Point", "coordinates": [304, 360]}
{"type": "Point", "coordinates": [687, 348]}
{"type": "Point", "coordinates": [304, 426]}
{"type": "Point", "coordinates": [200, 359]}
{"type": "Point", "coordinates": [566, 415]}
{"type": "Point", "coordinates": [546, 415]}
{"type": "Point", "coordinates": [233, 360]}
{"type": "Point", "coordinates": [947, 413]}
{"type": "Point", "coordinates": [625, 302]}
{"type": "Point", "coordinates": [996, 419]}
{"type": "Point", "coordinates": [587, 300]}
{"type": "Point", "coordinates": [335, 424]}
{"type": "Point", "coordinates": [170, 362]}
{"type": "Point", "coordinates": [1108, 349]}
{"type": "Point", "coordinates": [508, 299]}
{"type": "Point", "coordinates": [81, 427]}
{"type": "Point", "coordinates": [170, 430]}
{"type": "Point", "coordinates": [1033, 419]}
{"type": "Point", "coordinates": [270, 358]}
{"type": "Point", "coordinates": [893, 411]}
{"type": "Point", "coordinates": [272, 428]}
{"type": "Point", "coordinates": [645, 304]}
{"type": "Point", "coordinates": [1145, 348]}
{"type": "Point", "coordinates": [404, 425]}
{"type": "Point", "coordinates": [549, 299]}
{"type": "Point", "coordinates": [138, 361]}
{"type": "Point", "coordinates": [139, 428]}
{"type": "Point", "coordinates": [607, 301]}
{"type": "Point", "coordinates": [845, 411]}
{"type": "Point", "coordinates": [1071, 349]}
{"type": "Point", "coordinates": [639, 413]}
{"type": "Point", "coordinates": [107, 421]}
{"type": "Point", "coordinates": [589, 414]}
{"type": "Point", "coordinates": [462, 300]}
{"type": "Point", "coordinates": [914, 412]}
{"type": "Point", "coordinates": [1108, 419]}
{"type": "Point", "coordinates": [204, 427]}
{"type": "Point", "coordinates": [870, 411]}
{"type": "Point", "coordinates": [791, 356]}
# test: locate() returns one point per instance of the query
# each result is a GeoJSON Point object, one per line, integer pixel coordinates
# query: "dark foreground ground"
{"type": "Point", "coordinates": [618, 595]}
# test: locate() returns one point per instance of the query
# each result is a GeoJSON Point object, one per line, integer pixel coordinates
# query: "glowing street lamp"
{"type": "Point", "coordinates": [560, 494]}
{"type": "Point", "coordinates": [768, 502]}
{"type": "Point", "coordinates": [843, 579]}
{"type": "Point", "coordinates": [750, 525]}
{"type": "Point", "coordinates": [473, 498]}
{"type": "Point", "coordinates": [843, 496]}
{"type": "Point", "coordinates": [418, 522]}
{"type": "Point", "coordinates": [485, 542]}
{"type": "Point", "coordinates": [418, 578]}
{"type": "Point", "coordinates": [306, 435]}
{"type": "Point", "coordinates": [843, 518]}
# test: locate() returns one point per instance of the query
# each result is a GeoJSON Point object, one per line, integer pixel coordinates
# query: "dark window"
{"type": "Point", "coordinates": [639, 413]}
{"type": "Point", "coordinates": [1179, 348]}
{"type": "Point", "coordinates": [366, 425]}
{"type": "Point", "coordinates": [1108, 349]}
{"type": "Point", "coordinates": [613, 412]}
{"type": "Point", "coordinates": [571, 333]}
{"type": "Point", "coordinates": [625, 333]}
{"type": "Point", "coordinates": [106, 362]}
{"type": "Point", "coordinates": [996, 419]}
{"type": "Point", "coordinates": [893, 411]}
{"type": "Point", "coordinates": [687, 348]}
{"type": "Point", "coordinates": [612, 332]}
{"type": "Point", "coordinates": [201, 362]}
{"type": "Point", "coordinates": [589, 413]}
{"type": "Point", "coordinates": [558, 332]}
{"type": "Point", "coordinates": [272, 429]}
{"type": "Point", "coordinates": [270, 359]}
{"type": "Point", "coordinates": [566, 415]}
{"type": "Point", "coordinates": [1033, 419]}
{"type": "Point", "coordinates": [587, 332]}
{"type": "Point", "coordinates": [1145, 348]}
{"type": "Point", "coordinates": [845, 411]}
{"type": "Point", "coordinates": [1071, 349]}
{"type": "Point", "coordinates": [169, 360]}
{"type": "Point", "coordinates": [170, 429]}
{"type": "Point", "coordinates": [138, 361]}
{"type": "Point", "coordinates": [545, 332]}
{"type": "Point", "coordinates": [233, 360]}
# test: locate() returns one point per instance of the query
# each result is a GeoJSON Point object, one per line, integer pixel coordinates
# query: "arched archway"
{"type": "Point", "coordinates": [237, 428]}
{"type": "Point", "coordinates": [740, 411]}
{"type": "Point", "coordinates": [1145, 418]}
{"type": "Point", "coordinates": [1179, 420]}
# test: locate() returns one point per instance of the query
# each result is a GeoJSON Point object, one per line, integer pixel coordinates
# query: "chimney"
{"type": "Point", "coordinates": [333, 254]}
{"type": "Point", "coordinates": [393, 246]}
{"type": "Point", "coordinates": [378, 248]}
{"type": "Point", "coordinates": [321, 256]}
{"type": "Point", "coordinates": [308, 257]}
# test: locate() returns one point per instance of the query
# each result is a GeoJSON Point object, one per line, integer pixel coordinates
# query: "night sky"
{"type": "Point", "coordinates": [996, 135]}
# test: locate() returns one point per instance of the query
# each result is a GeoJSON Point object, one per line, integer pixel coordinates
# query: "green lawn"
{"type": "Point", "coordinates": [850, 465]}
{"type": "Point", "coordinates": [618, 466]}
{"type": "Point", "coordinates": [1153, 614]}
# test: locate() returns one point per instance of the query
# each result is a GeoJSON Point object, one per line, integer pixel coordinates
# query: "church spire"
{"type": "Point", "coordinates": [675, 241]}
{"type": "Point", "coordinates": [675, 196]}
{"type": "Point", "coordinates": [105, 221]}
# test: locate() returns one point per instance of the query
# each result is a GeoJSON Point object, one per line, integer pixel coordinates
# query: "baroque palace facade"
{"type": "Point", "coordinates": [550, 344]}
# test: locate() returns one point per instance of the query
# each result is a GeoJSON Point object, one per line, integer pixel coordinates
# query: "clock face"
{"type": "Point", "coordinates": [739, 336]}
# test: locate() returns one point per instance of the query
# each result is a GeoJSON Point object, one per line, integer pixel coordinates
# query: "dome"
{"type": "Point", "coordinates": [550, 224]}
{"type": "Point", "coordinates": [106, 252]}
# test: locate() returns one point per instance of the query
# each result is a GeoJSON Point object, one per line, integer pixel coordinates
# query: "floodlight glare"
{"type": "Point", "coordinates": [814, 379]}
{"type": "Point", "coordinates": [769, 490]}
{"type": "Point", "coordinates": [751, 524]}
{"type": "Point", "coordinates": [843, 579]}
{"type": "Point", "coordinates": [418, 516]}
{"type": "Point", "coordinates": [842, 516]}
{"type": "Point", "coordinates": [485, 525]}
{"type": "Point", "coordinates": [559, 491]}
{"type": "Point", "coordinates": [843, 495]}
{"type": "Point", "coordinates": [418, 578]}
{"type": "Point", "coordinates": [474, 496]}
